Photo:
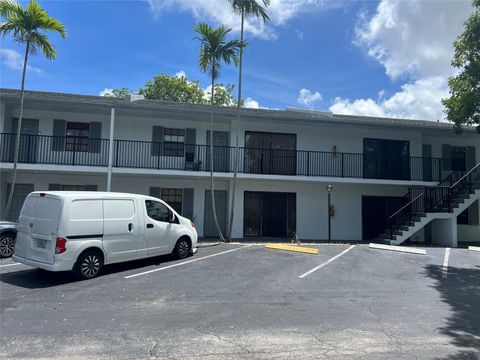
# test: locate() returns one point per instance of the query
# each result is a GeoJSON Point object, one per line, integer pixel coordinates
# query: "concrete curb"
{"type": "Point", "coordinates": [398, 248]}
{"type": "Point", "coordinates": [474, 248]}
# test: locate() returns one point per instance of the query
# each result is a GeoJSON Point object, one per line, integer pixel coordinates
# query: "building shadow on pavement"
{"type": "Point", "coordinates": [459, 288]}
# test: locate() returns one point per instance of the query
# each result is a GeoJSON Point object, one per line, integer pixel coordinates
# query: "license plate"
{"type": "Point", "coordinates": [42, 243]}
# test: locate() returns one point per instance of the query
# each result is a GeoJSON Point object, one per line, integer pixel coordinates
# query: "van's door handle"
{"type": "Point", "coordinates": [149, 226]}
{"type": "Point", "coordinates": [130, 227]}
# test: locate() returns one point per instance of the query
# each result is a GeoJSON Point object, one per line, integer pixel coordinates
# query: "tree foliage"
{"type": "Point", "coordinates": [179, 89]}
{"type": "Point", "coordinates": [463, 105]}
{"type": "Point", "coordinates": [118, 93]}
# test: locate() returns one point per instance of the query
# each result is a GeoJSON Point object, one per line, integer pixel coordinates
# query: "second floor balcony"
{"type": "Point", "coordinates": [84, 151]}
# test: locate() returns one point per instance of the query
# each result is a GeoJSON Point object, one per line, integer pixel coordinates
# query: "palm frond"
{"type": "Point", "coordinates": [251, 8]}
{"type": "Point", "coordinates": [29, 24]}
{"type": "Point", "coordinates": [43, 43]}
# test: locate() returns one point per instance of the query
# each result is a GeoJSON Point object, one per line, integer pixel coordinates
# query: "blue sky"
{"type": "Point", "coordinates": [381, 58]}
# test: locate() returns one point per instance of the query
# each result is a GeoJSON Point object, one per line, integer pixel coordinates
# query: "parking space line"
{"type": "Point", "coordinates": [185, 262]}
{"type": "Point", "coordinates": [445, 262]}
{"type": "Point", "coordinates": [326, 262]}
{"type": "Point", "coordinates": [10, 265]}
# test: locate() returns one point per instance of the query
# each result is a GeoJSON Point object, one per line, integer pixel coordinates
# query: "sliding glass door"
{"type": "Point", "coordinates": [270, 153]}
{"type": "Point", "coordinates": [269, 214]}
{"type": "Point", "coordinates": [386, 159]}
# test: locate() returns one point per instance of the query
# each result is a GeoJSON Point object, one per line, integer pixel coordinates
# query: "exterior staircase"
{"type": "Point", "coordinates": [423, 204]}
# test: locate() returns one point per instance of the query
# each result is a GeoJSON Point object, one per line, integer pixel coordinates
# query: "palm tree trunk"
{"type": "Point", "coordinates": [235, 158]}
{"type": "Point", "coordinates": [17, 137]}
{"type": "Point", "coordinates": [212, 189]}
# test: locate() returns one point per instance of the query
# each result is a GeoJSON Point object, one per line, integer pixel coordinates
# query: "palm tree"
{"type": "Point", "coordinates": [244, 8]}
{"type": "Point", "coordinates": [28, 26]}
{"type": "Point", "coordinates": [214, 51]}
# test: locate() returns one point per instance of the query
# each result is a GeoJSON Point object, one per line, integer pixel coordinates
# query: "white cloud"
{"type": "Point", "coordinates": [13, 60]}
{"type": "Point", "coordinates": [181, 73]}
{"type": "Point", "coordinates": [219, 11]}
{"type": "Point", "coordinates": [106, 92]}
{"type": "Point", "coordinates": [308, 98]}
{"type": "Point", "coordinates": [413, 37]}
{"type": "Point", "coordinates": [413, 40]}
{"type": "Point", "coordinates": [252, 104]}
{"type": "Point", "coordinates": [416, 100]}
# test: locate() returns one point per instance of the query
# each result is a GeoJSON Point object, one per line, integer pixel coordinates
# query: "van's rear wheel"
{"type": "Point", "coordinates": [89, 264]}
{"type": "Point", "coordinates": [182, 248]}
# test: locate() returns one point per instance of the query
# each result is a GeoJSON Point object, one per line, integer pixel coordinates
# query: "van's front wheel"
{"type": "Point", "coordinates": [182, 248]}
{"type": "Point", "coordinates": [89, 264]}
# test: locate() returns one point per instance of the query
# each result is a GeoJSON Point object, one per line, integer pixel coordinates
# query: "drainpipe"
{"type": "Point", "coordinates": [110, 150]}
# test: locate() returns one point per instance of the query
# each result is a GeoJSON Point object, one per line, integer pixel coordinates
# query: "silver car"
{"type": "Point", "coordinates": [8, 234]}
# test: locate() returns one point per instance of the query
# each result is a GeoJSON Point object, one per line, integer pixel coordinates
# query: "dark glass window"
{"type": "Point", "coordinates": [173, 197]}
{"type": "Point", "coordinates": [270, 153]}
{"type": "Point", "coordinates": [157, 211]}
{"type": "Point", "coordinates": [269, 214]}
{"type": "Point", "coordinates": [174, 142]}
{"type": "Point", "coordinates": [386, 159]}
{"type": "Point", "coordinates": [74, 188]}
{"type": "Point", "coordinates": [77, 136]}
{"type": "Point", "coordinates": [459, 158]}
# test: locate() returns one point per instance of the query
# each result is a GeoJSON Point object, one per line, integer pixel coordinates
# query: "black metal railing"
{"type": "Point", "coordinates": [55, 150]}
{"type": "Point", "coordinates": [42, 149]}
{"type": "Point", "coordinates": [443, 198]}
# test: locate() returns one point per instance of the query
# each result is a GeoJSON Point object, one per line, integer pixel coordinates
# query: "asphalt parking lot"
{"type": "Point", "coordinates": [245, 301]}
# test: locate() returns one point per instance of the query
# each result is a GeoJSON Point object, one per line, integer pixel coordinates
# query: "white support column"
{"type": "Point", "coordinates": [110, 150]}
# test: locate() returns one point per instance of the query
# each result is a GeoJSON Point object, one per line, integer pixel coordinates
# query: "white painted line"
{"type": "Point", "coordinates": [10, 265]}
{"type": "Point", "coordinates": [474, 248]}
{"type": "Point", "coordinates": [445, 262]}
{"type": "Point", "coordinates": [326, 262]}
{"type": "Point", "coordinates": [398, 248]}
{"type": "Point", "coordinates": [185, 262]}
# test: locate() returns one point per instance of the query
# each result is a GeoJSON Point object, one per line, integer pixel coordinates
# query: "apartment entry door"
{"type": "Point", "coordinates": [28, 143]}
{"type": "Point", "coordinates": [209, 229]}
{"type": "Point", "coordinates": [269, 214]}
{"type": "Point", "coordinates": [375, 213]}
{"type": "Point", "coordinates": [220, 151]}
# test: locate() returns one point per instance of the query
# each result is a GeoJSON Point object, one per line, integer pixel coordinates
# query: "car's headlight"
{"type": "Point", "coordinates": [192, 223]}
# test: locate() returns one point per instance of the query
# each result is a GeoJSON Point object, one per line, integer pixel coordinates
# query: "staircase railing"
{"type": "Point", "coordinates": [442, 198]}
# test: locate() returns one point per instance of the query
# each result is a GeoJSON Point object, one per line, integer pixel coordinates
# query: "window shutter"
{"type": "Point", "coordinates": [190, 140]}
{"type": "Point", "coordinates": [94, 135]}
{"type": "Point", "coordinates": [54, 187]}
{"type": "Point", "coordinates": [187, 205]}
{"type": "Point", "coordinates": [91, 187]}
{"type": "Point", "coordinates": [471, 162]}
{"type": "Point", "coordinates": [157, 141]}
{"type": "Point", "coordinates": [155, 192]}
{"type": "Point", "coordinates": [59, 133]}
{"type": "Point", "coordinates": [447, 157]}
{"type": "Point", "coordinates": [473, 214]}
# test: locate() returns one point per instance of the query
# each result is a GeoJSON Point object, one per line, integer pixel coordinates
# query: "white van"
{"type": "Point", "coordinates": [82, 231]}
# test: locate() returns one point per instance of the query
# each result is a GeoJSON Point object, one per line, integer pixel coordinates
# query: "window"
{"type": "Point", "coordinates": [74, 188]}
{"type": "Point", "coordinates": [157, 211]}
{"type": "Point", "coordinates": [459, 158]}
{"type": "Point", "coordinates": [173, 142]}
{"type": "Point", "coordinates": [77, 136]}
{"type": "Point", "coordinates": [174, 198]}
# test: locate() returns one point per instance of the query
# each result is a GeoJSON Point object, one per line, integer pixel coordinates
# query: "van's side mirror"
{"type": "Point", "coordinates": [172, 216]}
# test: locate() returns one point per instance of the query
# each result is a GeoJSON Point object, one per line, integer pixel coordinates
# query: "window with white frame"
{"type": "Point", "coordinates": [173, 142]}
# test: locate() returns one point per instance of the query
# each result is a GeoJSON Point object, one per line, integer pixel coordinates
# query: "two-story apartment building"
{"type": "Point", "coordinates": [394, 178]}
